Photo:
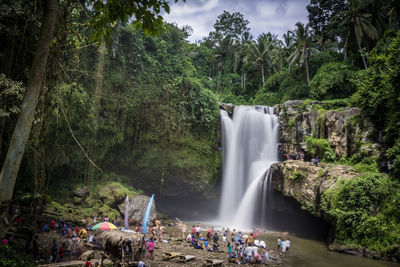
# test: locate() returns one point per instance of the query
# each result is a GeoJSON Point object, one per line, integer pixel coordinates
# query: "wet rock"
{"type": "Point", "coordinates": [82, 192]}
{"type": "Point", "coordinates": [213, 262]}
{"type": "Point", "coordinates": [306, 182]}
{"type": "Point", "coordinates": [371, 254]}
{"type": "Point", "coordinates": [137, 208]}
{"type": "Point", "coordinates": [228, 107]}
{"type": "Point", "coordinates": [87, 254]}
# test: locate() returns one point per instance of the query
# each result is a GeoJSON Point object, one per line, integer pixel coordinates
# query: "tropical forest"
{"type": "Point", "coordinates": [127, 140]}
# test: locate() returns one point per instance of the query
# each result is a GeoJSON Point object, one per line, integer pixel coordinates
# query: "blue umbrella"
{"type": "Point", "coordinates": [147, 214]}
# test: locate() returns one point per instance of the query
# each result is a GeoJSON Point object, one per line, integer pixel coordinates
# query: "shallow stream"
{"type": "Point", "coordinates": [310, 253]}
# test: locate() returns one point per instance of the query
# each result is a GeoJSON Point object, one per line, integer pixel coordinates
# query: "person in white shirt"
{"type": "Point", "coordinates": [287, 244]}
{"type": "Point", "coordinates": [266, 257]}
{"type": "Point", "coordinates": [198, 231]}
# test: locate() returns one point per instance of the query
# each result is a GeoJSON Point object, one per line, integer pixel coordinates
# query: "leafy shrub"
{"type": "Point", "coordinates": [11, 257]}
{"type": "Point", "coordinates": [393, 155]}
{"type": "Point", "coordinates": [233, 99]}
{"type": "Point", "coordinates": [366, 167]}
{"type": "Point", "coordinates": [333, 80]}
{"type": "Point", "coordinates": [286, 85]}
{"type": "Point", "coordinates": [267, 99]}
{"type": "Point", "coordinates": [330, 155]}
{"type": "Point", "coordinates": [206, 110]}
{"type": "Point", "coordinates": [365, 211]}
{"type": "Point", "coordinates": [335, 103]}
{"type": "Point", "coordinates": [319, 147]}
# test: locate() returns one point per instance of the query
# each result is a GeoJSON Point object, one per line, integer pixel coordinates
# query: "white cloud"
{"type": "Point", "coordinates": [275, 16]}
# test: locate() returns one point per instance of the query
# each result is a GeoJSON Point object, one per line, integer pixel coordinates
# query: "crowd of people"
{"type": "Point", "coordinates": [73, 238]}
{"type": "Point", "coordinates": [241, 248]}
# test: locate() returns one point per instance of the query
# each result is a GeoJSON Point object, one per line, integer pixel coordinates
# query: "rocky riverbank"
{"type": "Point", "coordinates": [172, 251]}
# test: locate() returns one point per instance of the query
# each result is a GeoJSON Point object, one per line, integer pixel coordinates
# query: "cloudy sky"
{"type": "Point", "coordinates": [275, 16]}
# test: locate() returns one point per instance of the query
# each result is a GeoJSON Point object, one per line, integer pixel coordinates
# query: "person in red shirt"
{"type": "Point", "coordinates": [193, 230]}
{"type": "Point", "coordinates": [88, 263]}
{"type": "Point", "coordinates": [61, 252]}
{"type": "Point", "coordinates": [53, 224]}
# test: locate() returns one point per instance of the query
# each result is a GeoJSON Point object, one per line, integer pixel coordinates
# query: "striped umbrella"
{"type": "Point", "coordinates": [104, 226]}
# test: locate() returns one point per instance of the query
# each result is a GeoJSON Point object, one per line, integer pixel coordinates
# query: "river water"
{"type": "Point", "coordinates": [310, 253]}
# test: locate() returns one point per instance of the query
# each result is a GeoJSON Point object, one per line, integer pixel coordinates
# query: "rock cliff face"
{"type": "Point", "coordinates": [344, 128]}
{"type": "Point", "coordinates": [306, 182]}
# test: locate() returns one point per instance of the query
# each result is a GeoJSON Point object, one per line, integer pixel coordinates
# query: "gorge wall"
{"type": "Point", "coordinates": [306, 182]}
{"type": "Point", "coordinates": [344, 128]}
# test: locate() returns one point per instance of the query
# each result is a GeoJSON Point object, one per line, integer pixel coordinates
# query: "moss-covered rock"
{"type": "Point", "coordinates": [102, 200]}
{"type": "Point", "coordinates": [114, 193]}
{"type": "Point", "coordinates": [306, 182]}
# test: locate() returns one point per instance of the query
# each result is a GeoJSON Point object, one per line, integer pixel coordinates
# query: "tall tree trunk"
{"type": "Point", "coordinates": [345, 46]}
{"type": "Point", "coordinates": [262, 74]}
{"type": "Point", "coordinates": [25, 119]}
{"type": "Point", "coordinates": [362, 57]}
{"type": "Point", "coordinates": [358, 39]}
{"type": "Point", "coordinates": [307, 71]}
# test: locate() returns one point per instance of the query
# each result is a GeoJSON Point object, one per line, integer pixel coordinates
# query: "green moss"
{"type": "Point", "coordinates": [292, 122]}
{"type": "Point", "coordinates": [101, 201]}
{"type": "Point", "coordinates": [296, 175]}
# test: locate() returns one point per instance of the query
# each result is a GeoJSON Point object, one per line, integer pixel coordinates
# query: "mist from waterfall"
{"type": "Point", "coordinates": [249, 141]}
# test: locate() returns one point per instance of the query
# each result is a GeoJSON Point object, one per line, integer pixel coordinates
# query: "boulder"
{"type": "Point", "coordinates": [137, 208]}
{"type": "Point", "coordinates": [86, 254]}
{"type": "Point", "coordinates": [113, 194]}
{"type": "Point", "coordinates": [228, 107]}
{"type": "Point", "coordinates": [82, 192]}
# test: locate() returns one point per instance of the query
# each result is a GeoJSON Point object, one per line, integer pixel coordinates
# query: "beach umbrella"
{"type": "Point", "coordinates": [104, 226]}
{"type": "Point", "coordinates": [147, 214]}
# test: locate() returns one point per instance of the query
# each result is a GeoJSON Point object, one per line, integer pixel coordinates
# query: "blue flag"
{"type": "Point", "coordinates": [147, 214]}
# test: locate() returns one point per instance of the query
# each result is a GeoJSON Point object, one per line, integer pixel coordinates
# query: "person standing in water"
{"type": "Point", "coordinates": [198, 231]}
{"type": "Point", "coordinates": [279, 243]}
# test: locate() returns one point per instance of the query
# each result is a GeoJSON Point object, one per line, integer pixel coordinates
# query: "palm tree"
{"type": "Point", "coordinates": [259, 53]}
{"type": "Point", "coordinates": [361, 23]}
{"type": "Point", "coordinates": [303, 47]}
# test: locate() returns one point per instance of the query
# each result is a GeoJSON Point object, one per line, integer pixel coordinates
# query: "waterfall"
{"type": "Point", "coordinates": [249, 142]}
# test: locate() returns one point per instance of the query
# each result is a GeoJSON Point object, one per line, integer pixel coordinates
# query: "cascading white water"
{"type": "Point", "coordinates": [249, 143]}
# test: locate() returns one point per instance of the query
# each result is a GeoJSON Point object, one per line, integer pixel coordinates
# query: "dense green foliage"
{"type": "Point", "coordinates": [333, 81]}
{"type": "Point", "coordinates": [365, 212]}
{"type": "Point", "coordinates": [12, 257]}
{"type": "Point", "coordinates": [155, 117]}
